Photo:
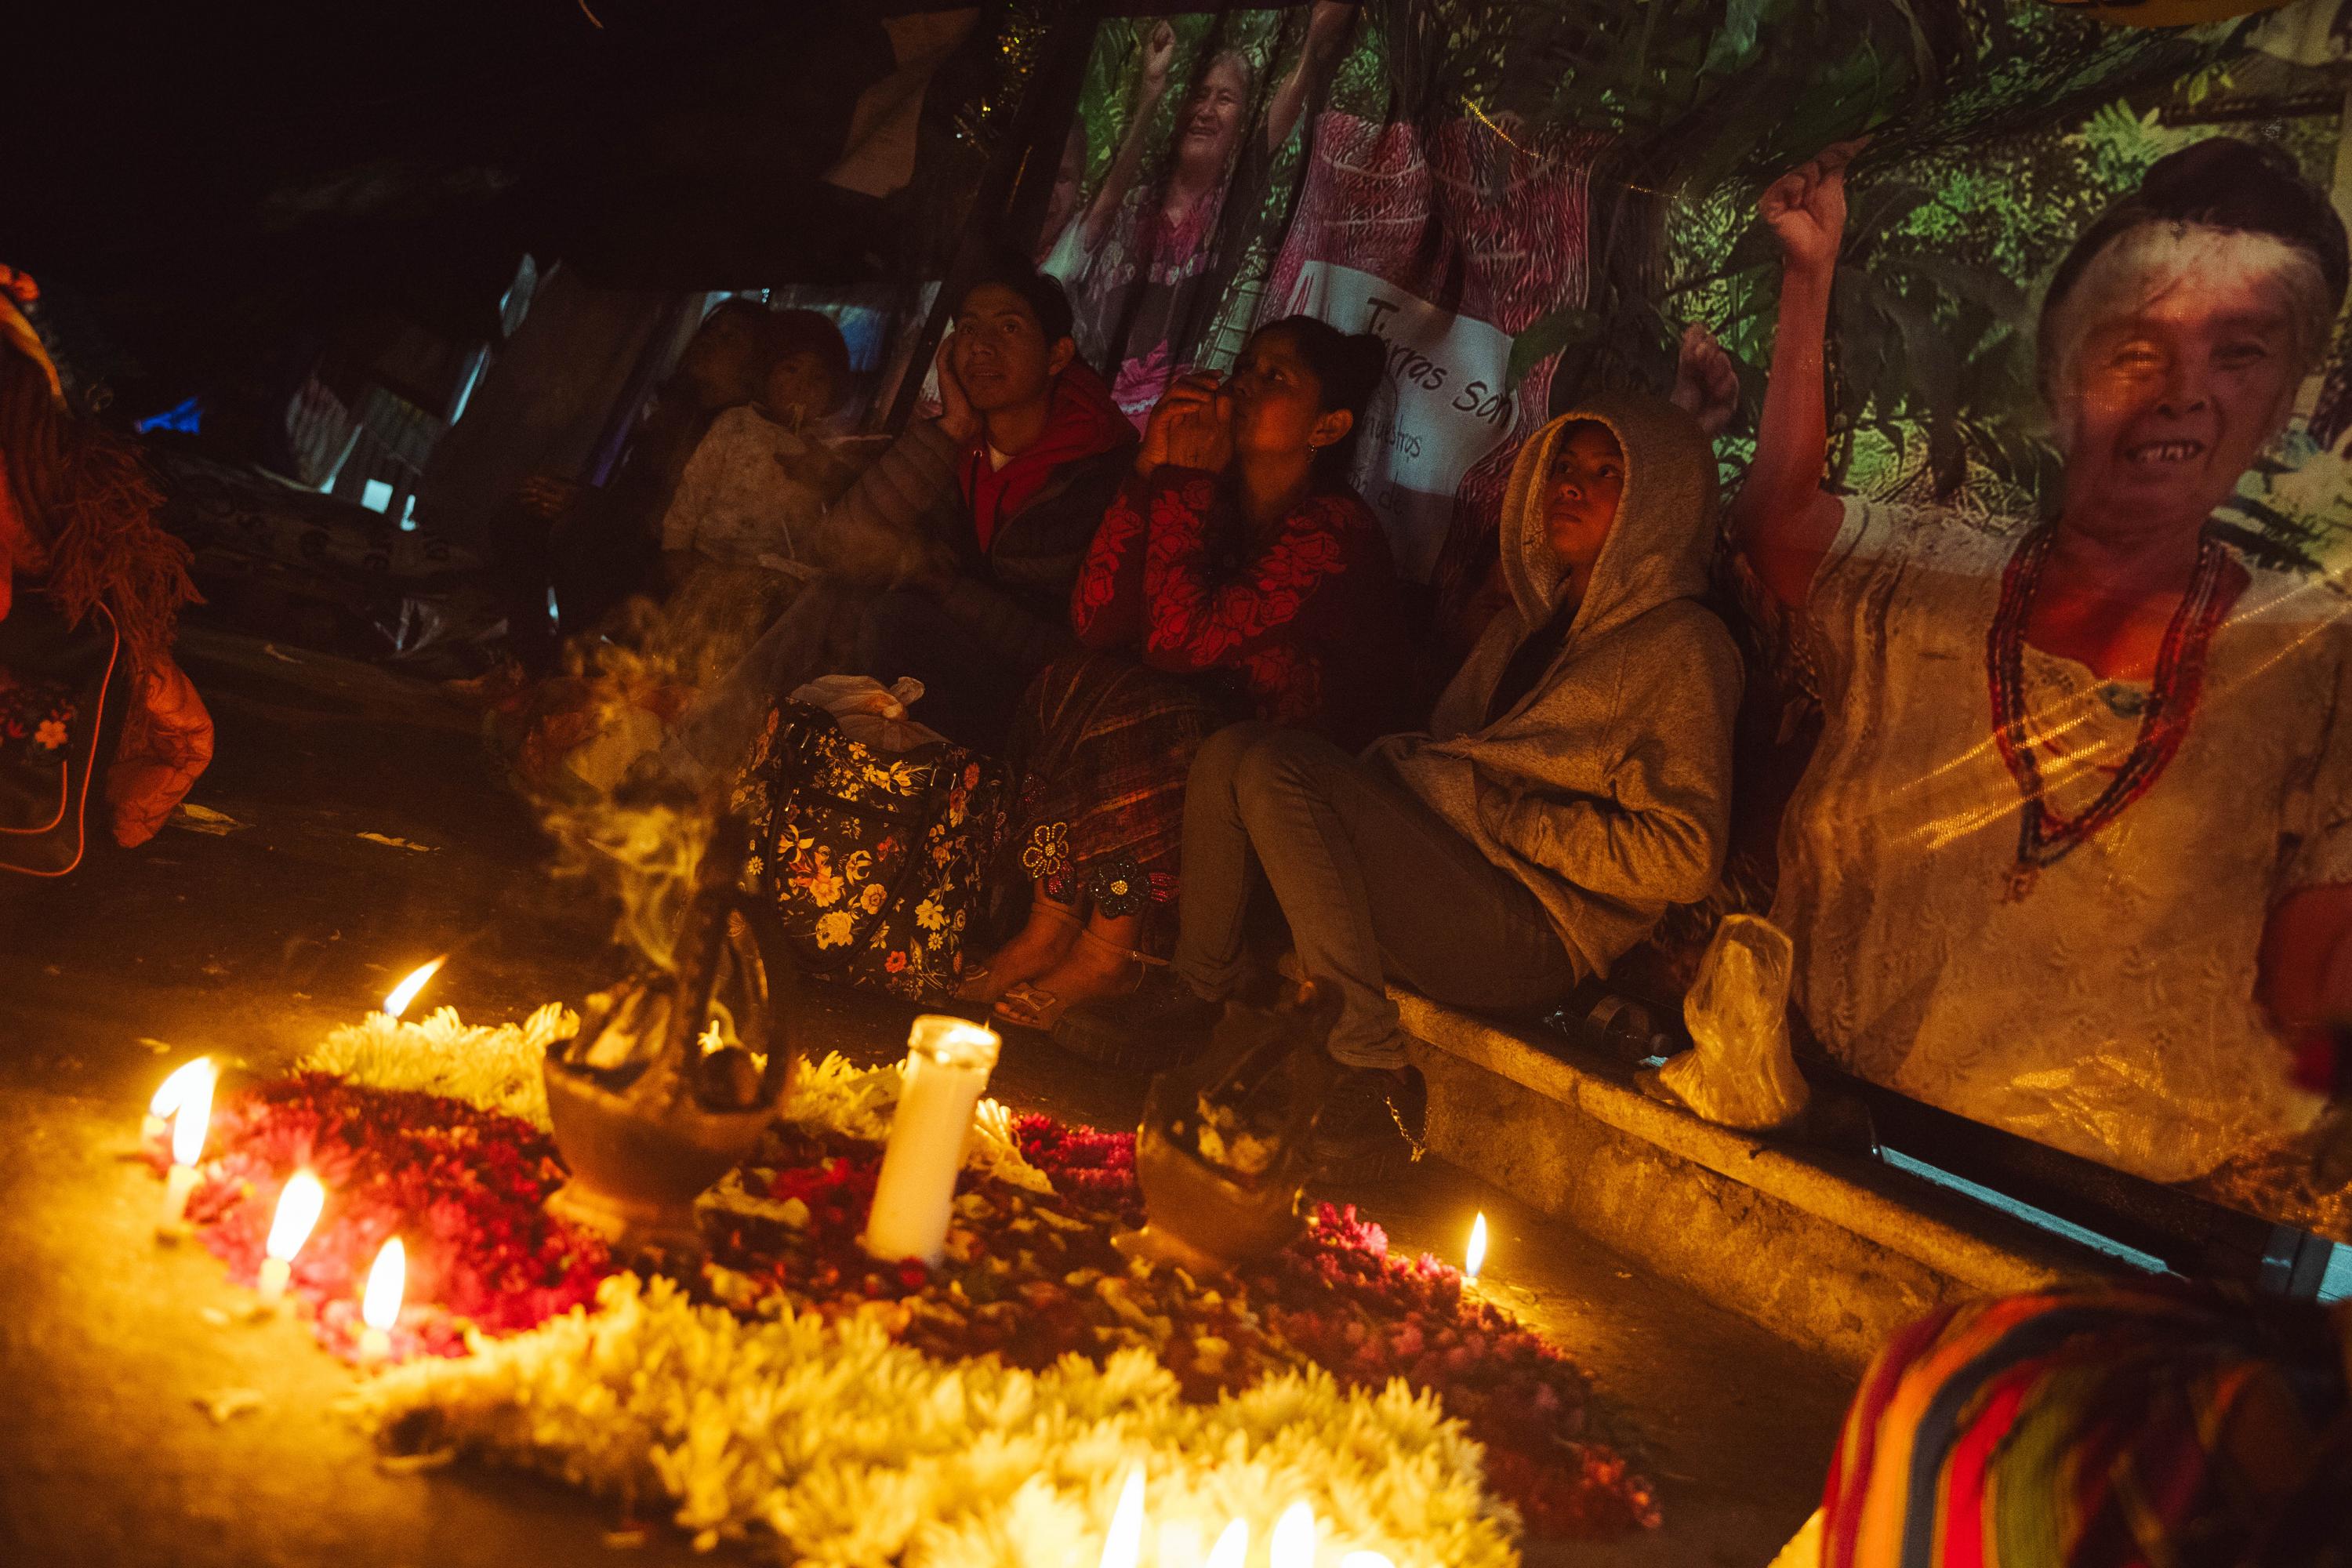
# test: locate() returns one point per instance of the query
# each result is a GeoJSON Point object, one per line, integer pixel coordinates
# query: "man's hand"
{"type": "Point", "coordinates": [1806, 209]}
{"type": "Point", "coordinates": [956, 416]}
{"type": "Point", "coordinates": [1706, 387]}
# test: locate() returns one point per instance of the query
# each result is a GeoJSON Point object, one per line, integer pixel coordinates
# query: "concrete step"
{"type": "Point", "coordinates": [1830, 1252]}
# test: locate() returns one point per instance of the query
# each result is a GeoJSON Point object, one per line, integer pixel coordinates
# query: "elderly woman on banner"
{"type": "Point", "coordinates": [1148, 259]}
{"type": "Point", "coordinates": [2073, 854]}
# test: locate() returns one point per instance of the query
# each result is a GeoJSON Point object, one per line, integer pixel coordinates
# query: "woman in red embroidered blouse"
{"type": "Point", "coordinates": [1237, 576]}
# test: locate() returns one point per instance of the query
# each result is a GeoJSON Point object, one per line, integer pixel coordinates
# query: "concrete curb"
{"type": "Point", "coordinates": [1831, 1251]}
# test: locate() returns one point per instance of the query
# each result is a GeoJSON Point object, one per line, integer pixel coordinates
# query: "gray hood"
{"type": "Point", "coordinates": [1665, 533]}
{"type": "Point", "coordinates": [1606, 790]}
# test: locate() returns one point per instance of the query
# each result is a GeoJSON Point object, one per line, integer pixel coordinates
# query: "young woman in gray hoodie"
{"type": "Point", "coordinates": [1573, 783]}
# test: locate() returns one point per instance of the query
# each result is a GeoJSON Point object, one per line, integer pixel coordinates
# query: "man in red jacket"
{"type": "Point", "coordinates": [1012, 479]}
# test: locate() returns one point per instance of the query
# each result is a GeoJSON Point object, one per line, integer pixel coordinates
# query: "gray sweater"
{"type": "Point", "coordinates": [1607, 789]}
{"type": "Point", "coordinates": [906, 513]}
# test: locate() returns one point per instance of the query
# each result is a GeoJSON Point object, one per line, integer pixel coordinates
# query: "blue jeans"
{"type": "Point", "coordinates": [1373, 883]}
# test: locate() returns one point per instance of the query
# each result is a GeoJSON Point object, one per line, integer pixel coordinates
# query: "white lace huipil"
{"type": "Point", "coordinates": [2110, 1011]}
{"type": "Point", "coordinates": [752, 489]}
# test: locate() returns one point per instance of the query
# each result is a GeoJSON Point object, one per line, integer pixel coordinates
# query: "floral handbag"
{"type": "Point", "coordinates": [877, 860]}
{"type": "Point", "coordinates": [60, 687]}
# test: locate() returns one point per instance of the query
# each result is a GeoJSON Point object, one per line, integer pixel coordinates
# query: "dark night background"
{"type": "Point", "coordinates": [206, 190]}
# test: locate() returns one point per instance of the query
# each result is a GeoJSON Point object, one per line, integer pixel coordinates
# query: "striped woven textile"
{"type": "Point", "coordinates": [1103, 745]}
{"type": "Point", "coordinates": [2095, 1428]}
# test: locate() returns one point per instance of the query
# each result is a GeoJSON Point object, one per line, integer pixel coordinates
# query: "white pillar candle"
{"type": "Point", "coordinates": [380, 1302]}
{"type": "Point", "coordinates": [1123, 1548]}
{"type": "Point", "coordinates": [1294, 1539]}
{"type": "Point", "coordinates": [298, 1202]}
{"type": "Point", "coordinates": [190, 1122]}
{"type": "Point", "coordinates": [178, 1183]}
{"type": "Point", "coordinates": [948, 1064]}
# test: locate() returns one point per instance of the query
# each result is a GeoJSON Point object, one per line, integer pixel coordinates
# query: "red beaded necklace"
{"type": "Point", "coordinates": [2045, 835]}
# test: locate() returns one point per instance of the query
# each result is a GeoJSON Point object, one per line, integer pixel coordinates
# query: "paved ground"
{"type": "Point", "coordinates": [250, 942]}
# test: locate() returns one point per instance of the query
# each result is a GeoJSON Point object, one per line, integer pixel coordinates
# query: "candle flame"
{"type": "Point", "coordinates": [191, 1117]}
{"type": "Point", "coordinates": [1232, 1549]}
{"type": "Point", "coordinates": [297, 1211]}
{"type": "Point", "coordinates": [172, 1090]}
{"type": "Point", "coordinates": [1123, 1548]}
{"type": "Point", "coordinates": [380, 1307]}
{"type": "Point", "coordinates": [1365, 1560]}
{"type": "Point", "coordinates": [1294, 1539]}
{"type": "Point", "coordinates": [1476, 1257]}
{"type": "Point", "coordinates": [406, 992]}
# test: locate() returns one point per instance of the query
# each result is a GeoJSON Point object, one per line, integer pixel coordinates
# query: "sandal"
{"type": "Point", "coordinates": [974, 986]}
{"type": "Point", "coordinates": [1029, 1006]}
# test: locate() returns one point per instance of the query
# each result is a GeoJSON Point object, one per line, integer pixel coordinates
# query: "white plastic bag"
{"type": "Point", "coordinates": [870, 713]}
{"type": "Point", "coordinates": [1740, 1071]}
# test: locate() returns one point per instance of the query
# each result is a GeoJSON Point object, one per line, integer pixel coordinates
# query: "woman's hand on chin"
{"type": "Point", "coordinates": [1191, 428]}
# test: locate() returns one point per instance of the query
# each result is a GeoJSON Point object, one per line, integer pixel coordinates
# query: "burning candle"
{"type": "Point", "coordinates": [948, 1064]}
{"type": "Point", "coordinates": [1123, 1548]}
{"type": "Point", "coordinates": [169, 1094]}
{"type": "Point", "coordinates": [190, 1121]}
{"type": "Point", "coordinates": [406, 992]}
{"type": "Point", "coordinates": [1294, 1539]}
{"type": "Point", "coordinates": [298, 1210]}
{"type": "Point", "coordinates": [380, 1306]}
{"type": "Point", "coordinates": [1475, 1258]}
{"type": "Point", "coordinates": [1232, 1549]}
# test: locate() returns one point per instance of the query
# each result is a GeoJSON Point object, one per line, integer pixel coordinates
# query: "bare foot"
{"type": "Point", "coordinates": [1090, 971]}
{"type": "Point", "coordinates": [1038, 946]}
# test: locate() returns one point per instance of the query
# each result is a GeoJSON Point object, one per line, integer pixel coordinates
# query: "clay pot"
{"type": "Point", "coordinates": [1206, 1215]}
{"type": "Point", "coordinates": [1201, 1219]}
{"type": "Point", "coordinates": [644, 1140]}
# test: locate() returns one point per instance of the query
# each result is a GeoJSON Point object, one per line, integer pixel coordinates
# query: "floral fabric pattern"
{"type": "Point", "coordinates": [1302, 619]}
{"type": "Point", "coordinates": [1049, 849]}
{"type": "Point", "coordinates": [876, 861]}
{"type": "Point", "coordinates": [1101, 746]}
{"type": "Point", "coordinates": [36, 720]}
{"type": "Point", "coordinates": [1119, 886]}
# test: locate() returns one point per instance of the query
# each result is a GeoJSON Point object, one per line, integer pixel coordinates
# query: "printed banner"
{"type": "Point", "coordinates": [1447, 407]}
{"type": "Point", "coordinates": [2047, 769]}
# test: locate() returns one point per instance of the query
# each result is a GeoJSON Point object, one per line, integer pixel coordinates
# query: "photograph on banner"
{"type": "Point", "coordinates": [2055, 607]}
{"type": "Point", "coordinates": [1176, 177]}
{"type": "Point", "coordinates": [2042, 765]}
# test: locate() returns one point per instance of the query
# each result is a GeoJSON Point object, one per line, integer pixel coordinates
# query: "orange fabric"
{"type": "Point", "coordinates": [167, 741]}
{"type": "Point", "coordinates": [18, 334]}
{"type": "Point", "coordinates": [14, 542]}
{"type": "Point", "coordinates": [78, 517]}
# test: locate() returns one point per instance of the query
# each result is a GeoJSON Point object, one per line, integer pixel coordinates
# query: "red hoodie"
{"type": "Point", "coordinates": [1083, 423]}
